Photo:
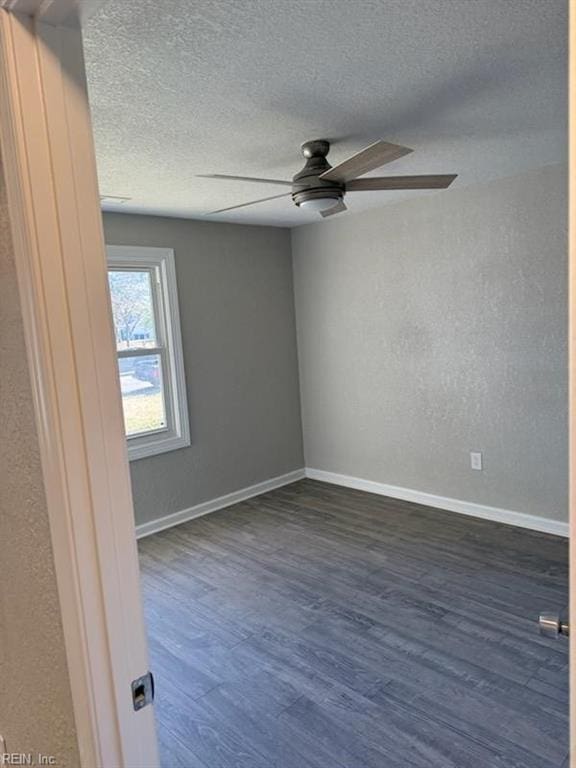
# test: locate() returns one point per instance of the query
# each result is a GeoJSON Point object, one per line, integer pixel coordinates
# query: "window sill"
{"type": "Point", "coordinates": [145, 448]}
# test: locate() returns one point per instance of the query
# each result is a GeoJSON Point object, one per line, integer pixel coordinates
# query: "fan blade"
{"type": "Point", "coordinates": [401, 182]}
{"type": "Point", "coordinates": [242, 178]}
{"type": "Point", "coordinates": [338, 208]}
{"type": "Point", "coordinates": [368, 159]}
{"type": "Point", "coordinates": [244, 205]}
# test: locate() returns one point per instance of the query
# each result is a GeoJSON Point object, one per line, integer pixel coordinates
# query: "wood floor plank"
{"type": "Point", "coordinates": [324, 627]}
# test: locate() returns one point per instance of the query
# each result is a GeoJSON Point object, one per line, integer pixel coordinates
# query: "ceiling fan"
{"type": "Point", "coordinates": [321, 187]}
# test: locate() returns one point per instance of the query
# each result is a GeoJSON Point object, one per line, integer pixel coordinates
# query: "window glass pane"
{"type": "Point", "coordinates": [142, 394]}
{"type": "Point", "coordinates": [133, 308]}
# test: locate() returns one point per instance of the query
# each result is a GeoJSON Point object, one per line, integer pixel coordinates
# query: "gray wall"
{"type": "Point", "coordinates": [239, 337]}
{"type": "Point", "coordinates": [437, 326]}
{"type": "Point", "coordinates": [36, 712]}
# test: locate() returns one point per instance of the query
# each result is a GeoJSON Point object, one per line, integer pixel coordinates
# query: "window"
{"type": "Point", "coordinates": [149, 347]}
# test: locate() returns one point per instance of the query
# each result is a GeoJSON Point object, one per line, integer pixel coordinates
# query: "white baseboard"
{"type": "Point", "coordinates": [161, 523]}
{"type": "Point", "coordinates": [507, 516]}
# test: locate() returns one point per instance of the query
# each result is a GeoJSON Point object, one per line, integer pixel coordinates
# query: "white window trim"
{"type": "Point", "coordinates": [178, 433]}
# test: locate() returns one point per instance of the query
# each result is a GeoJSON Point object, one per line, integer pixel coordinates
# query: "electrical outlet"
{"type": "Point", "coordinates": [476, 460]}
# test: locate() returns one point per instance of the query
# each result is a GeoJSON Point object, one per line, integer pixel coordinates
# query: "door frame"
{"type": "Point", "coordinates": [56, 223]}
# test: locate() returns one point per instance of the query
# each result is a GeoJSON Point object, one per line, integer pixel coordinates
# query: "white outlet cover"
{"type": "Point", "coordinates": [476, 460]}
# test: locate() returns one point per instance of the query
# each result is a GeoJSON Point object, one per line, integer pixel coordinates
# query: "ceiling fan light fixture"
{"type": "Point", "coordinates": [321, 188]}
{"type": "Point", "coordinates": [319, 203]}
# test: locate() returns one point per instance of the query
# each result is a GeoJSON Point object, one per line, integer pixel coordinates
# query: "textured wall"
{"type": "Point", "coordinates": [438, 326]}
{"type": "Point", "coordinates": [239, 338]}
{"type": "Point", "coordinates": [35, 700]}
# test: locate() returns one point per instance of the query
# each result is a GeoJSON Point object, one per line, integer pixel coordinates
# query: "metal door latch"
{"type": "Point", "coordinates": [143, 691]}
{"type": "Point", "coordinates": [552, 626]}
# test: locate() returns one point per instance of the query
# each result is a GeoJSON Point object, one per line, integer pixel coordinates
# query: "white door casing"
{"type": "Point", "coordinates": [48, 155]}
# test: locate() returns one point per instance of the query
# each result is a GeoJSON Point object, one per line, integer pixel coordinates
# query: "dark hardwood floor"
{"type": "Point", "coordinates": [321, 627]}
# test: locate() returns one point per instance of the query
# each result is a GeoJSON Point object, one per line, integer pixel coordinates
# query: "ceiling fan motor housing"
{"type": "Point", "coordinates": [307, 184]}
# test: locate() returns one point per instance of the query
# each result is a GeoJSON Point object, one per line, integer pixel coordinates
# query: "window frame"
{"type": "Point", "coordinates": [160, 263]}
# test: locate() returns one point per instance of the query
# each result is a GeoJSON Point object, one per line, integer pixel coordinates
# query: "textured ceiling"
{"type": "Point", "coordinates": [186, 87]}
